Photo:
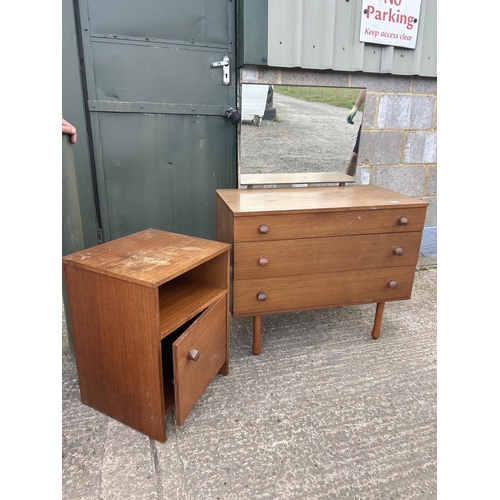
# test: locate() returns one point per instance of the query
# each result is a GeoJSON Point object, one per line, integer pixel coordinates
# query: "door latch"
{"type": "Point", "coordinates": [225, 69]}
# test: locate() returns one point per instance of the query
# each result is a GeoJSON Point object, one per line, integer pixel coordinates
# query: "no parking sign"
{"type": "Point", "coordinates": [390, 22]}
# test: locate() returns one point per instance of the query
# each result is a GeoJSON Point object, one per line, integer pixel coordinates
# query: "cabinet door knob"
{"type": "Point", "coordinates": [263, 229]}
{"type": "Point", "coordinates": [392, 284]}
{"type": "Point", "coordinates": [263, 261]}
{"type": "Point", "coordinates": [193, 354]}
{"type": "Point", "coordinates": [398, 251]}
{"type": "Point", "coordinates": [403, 221]}
{"type": "Point", "coordinates": [261, 296]}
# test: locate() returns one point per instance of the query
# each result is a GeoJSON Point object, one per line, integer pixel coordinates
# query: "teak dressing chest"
{"type": "Point", "coordinates": [150, 324]}
{"type": "Point", "coordinates": [315, 247]}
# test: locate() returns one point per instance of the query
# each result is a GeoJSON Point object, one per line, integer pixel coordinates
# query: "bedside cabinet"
{"type": "Point", "coordinates": [309, 248]}
{"type": "Point", "coordinates": [150, 322]}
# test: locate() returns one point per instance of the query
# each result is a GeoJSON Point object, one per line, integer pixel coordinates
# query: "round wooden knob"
{"type": "Point", "coordinates": [193, 354]}
{"type": "Point", "coordinates": [263, 229]}
{"type": "Point", "coordinates": [263, 261]}
{"type": "Point", "coordinates": [403, 221]}
{"type": "Point", "coordinates": [398, 251]}
{"type": "Point", "coordinates": [261, 296]}
{"type": "Point", "coordinates": [392, 284]}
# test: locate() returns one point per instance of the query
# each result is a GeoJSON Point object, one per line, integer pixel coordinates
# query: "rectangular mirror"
{"type": "Point", "coordinates": [297, 129]}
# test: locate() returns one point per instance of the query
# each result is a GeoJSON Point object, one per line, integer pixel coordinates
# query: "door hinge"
{"type": "Point", "coordinates": [225, 69]}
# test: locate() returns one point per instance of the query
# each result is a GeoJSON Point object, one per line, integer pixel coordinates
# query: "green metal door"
{"type": "Point", "coordinates": [157, 105]}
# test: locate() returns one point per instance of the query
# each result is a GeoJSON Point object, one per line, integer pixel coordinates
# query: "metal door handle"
{"type": "Point", "coordinates": [225, 69]}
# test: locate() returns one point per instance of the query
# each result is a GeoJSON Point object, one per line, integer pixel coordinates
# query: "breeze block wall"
{"type": "Point", "coordinates": [398, 146]}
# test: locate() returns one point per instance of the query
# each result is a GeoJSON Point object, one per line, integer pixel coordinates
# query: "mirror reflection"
{"type": "Point", "coordinates": [299, 129]}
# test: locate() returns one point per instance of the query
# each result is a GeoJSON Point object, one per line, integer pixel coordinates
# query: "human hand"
{"type": "Point", "coordinates": [69, 129]}
{"type": "Point", "coordinates": [352, 113]}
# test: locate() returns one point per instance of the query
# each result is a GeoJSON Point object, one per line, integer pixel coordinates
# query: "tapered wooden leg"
{"type": "Point", "coordinates": [378, 320]}
{"type": "Point", "coordinates": [256, 335]}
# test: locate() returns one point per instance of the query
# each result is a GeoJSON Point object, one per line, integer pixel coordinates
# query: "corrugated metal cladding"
{"type": "Point", "coordinates": [324, 34]}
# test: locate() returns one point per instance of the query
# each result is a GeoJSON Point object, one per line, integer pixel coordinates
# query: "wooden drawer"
{"type": "Point", "coordinates": [336, 223]}
{"type": "Point", "coordinates": [191, 378]}
{"type": "Point", "coordinates": [293, 293]}
{"type": "Point", "coordinates": [325, 255]}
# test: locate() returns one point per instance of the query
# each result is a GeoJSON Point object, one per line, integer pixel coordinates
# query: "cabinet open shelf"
{"type": "Point", "coordinates": [181, 300]}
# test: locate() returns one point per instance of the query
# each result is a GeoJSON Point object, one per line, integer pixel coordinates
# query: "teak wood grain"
{"type": "Point", "coordinates": [133, 302]}
{"type": "Point", "coordinates": [324, 255]}
{"type": "Point", "coordinates": [295, 178]}
{"type": "Point", "coordinates": [150, 257]}
{"type": "Point", "coordinates": [243, 202]}
{"type": "Point", "coordinates": [207, 336]}
{"type": "Point", "coordinates": [182, 299]}
{"type": "Point", "coordinates": [318, 224]}
{"type": "Point", "coordinates": [115, 326]}
{"type": "Point", "coordinates": [312, 291]}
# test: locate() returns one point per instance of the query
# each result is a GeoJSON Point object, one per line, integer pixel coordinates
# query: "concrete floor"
{"type": "Point", "coordinates": [324, 412]}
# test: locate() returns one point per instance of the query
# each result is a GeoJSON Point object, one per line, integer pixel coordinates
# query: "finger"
{"type": "Point", "coordinates": [68, 129]}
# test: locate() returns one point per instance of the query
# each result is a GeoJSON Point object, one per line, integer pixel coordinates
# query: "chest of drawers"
{"type": "Point", "coordinates": [307, 248]}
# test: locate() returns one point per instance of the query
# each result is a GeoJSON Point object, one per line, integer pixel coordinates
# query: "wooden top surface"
{"type": "Point", "coordinates": [314, 199]}
{"type": "Point", "coordinates": [150, 257]}
{"type": "Point", "coordinates": [295, 178]}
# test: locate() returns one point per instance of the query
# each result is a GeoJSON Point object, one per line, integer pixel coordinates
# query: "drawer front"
{"type": "Point", "coordinates": [325, 255]}
{"type": "Point", "coordinates": [310, 225]}
{"type": "Point", "coordinates": [208, 335]}
{"type": "Point", "coordinates": [293, 293]}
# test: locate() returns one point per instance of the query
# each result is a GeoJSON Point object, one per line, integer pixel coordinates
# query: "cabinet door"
{"type": "Point", "coordinates": [208, 335]}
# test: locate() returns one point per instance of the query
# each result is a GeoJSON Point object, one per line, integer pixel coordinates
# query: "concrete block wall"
{"type": "Point", "coordinates": [398, 146]}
